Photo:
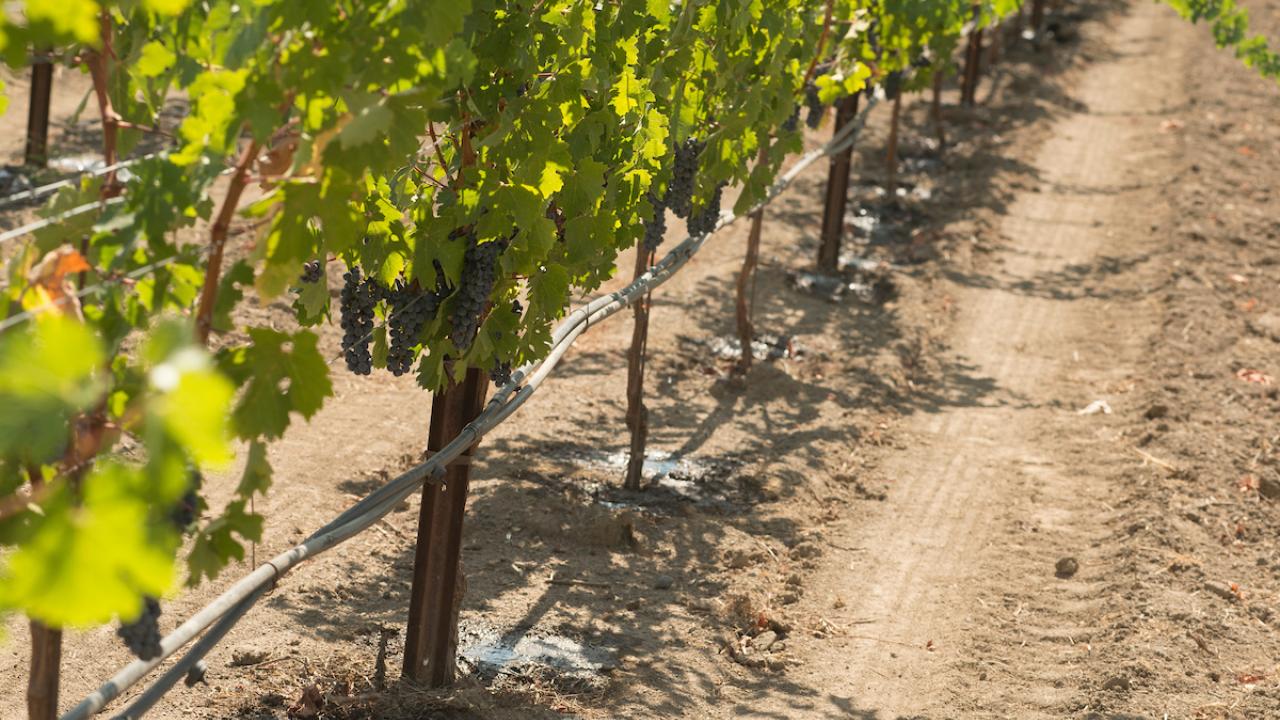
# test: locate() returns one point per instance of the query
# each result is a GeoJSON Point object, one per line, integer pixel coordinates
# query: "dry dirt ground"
{"type": "Point", "coordinates": [908, 517]}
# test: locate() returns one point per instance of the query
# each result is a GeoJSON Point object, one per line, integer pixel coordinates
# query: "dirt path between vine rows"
{"type": "Point", "coordinates": [951, 604]}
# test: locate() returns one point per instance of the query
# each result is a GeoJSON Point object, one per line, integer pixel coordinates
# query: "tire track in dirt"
{"type": "Point", "coordinates": [948, 547]}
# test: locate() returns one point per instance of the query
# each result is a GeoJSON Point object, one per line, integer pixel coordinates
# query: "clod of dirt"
{"type": "Point", "coordinates": [1222, 591]}
{"type": "Point", "coordinates": [663, 582]}
{"type": "Point", "coordinates": [1267, 326]}
{"type": "Point", "coordinates": [1066, 567]}
{"type": "Point", "coordinates": [309, 704]}
{"type": "Point", "coordinates": [764, 640]}
{"type": "Point", "coordinates": [246, 655]}
{"type": "Point", "coordinates": [1155, 412]}
{"type": "Point", "coordinates": [790, 597]}
{"type": "Point", "coordinates": [805, 551]}
{"type": "Point", "coordinates": [1117, 683]}
{"type": "Point", "coordinates": [1269, 488]}
{"type": "Point", "coordinates": [738, 558]}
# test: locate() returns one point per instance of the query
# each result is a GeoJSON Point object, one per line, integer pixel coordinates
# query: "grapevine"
{"type": "Point", "coordinates": [554, 159]}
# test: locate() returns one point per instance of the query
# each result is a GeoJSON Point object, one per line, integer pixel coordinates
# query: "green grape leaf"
{"type": "Point", "coordinates": [85, 563]}
{"type": "Point", "coordinates": [282, 373]}
{"type": "Point", "coordinates": [156, 59]}
{"type": "Point", "coordinates": [216, 544]}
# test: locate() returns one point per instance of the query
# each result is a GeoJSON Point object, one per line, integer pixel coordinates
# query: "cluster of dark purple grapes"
{"type": "Point", "coordinates": [791, 123]}
{"type": "Point", "coordinates": [142, 636]}
{"type": "Point", "coordinates": [656, 227]}
{"type": "Point", "coordinates": [184, 513]}
{"type": "Point", "coordinates": [704, 220]}
{"type": "Point", "coordinates": [814, 104]}
{"type": "Point", "coordinates": [893, 84]}
{"type": "Point", "coordinates": [479, 273]}
{"type": "Point", "coordinates": [684, 172]}
{"type": "Point", "coordinates": [411, 308]}
{"type": "Point", "coordinates": [312, 270]}
{"type": "Point", "coordinates": [501, 373]}
{"type": "Point", "coordinates": [358, 298]}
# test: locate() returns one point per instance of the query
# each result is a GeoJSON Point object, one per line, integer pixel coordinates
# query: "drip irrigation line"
{"type": "Point", "coordinates": [226, 610]}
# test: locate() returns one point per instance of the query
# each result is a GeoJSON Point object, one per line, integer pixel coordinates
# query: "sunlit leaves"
{"type": "Point", "coordinates": [281, 373]}
{"type": "Point", "coordinates": [49, 370]}
{"type": "Point", "coordinates": [86, 562]}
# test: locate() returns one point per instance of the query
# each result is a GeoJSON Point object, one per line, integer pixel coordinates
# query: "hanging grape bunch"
{"type": "Point", "coordinates": [893, 84]}
{"type": "Point", "coordinates": [479, 273]}
{"type": "Point", "coordinates": [312, 270]}
{"type": "Point", "coordinates": [704, 220]}
{"type": "Point", "coordinates": [409, 310]}
{"type": "Point", "coordinates": [792, 122]}
{"type": "Point", "coordinates": [142, 636]}
{"type": "Point", "coordinates": [187, 509]}
{"type": "Point", "coordinates": [684, 173]}
{"type": "Point", "coordinates": [358, 298]}
{"type": "Point", "coordinates": [814, 104]}
{"type": "Point", "coordinates": [656, 227]}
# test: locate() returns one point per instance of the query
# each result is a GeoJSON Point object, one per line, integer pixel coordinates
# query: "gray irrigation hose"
{"type": "Point", "coordinates": [165, 682]}
{"type": "Point", "coordinates": [235, 601]}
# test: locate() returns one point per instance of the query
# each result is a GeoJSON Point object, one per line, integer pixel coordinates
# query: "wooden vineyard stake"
{"type": "Point", "coordinates": [431, 642]}
{"type": "Point", "coordinates": [637, 413]}
{"type": "Point", "coordinates": [46, 665]}
{"type": "Point", "coordinates": [891, 157]}
{"type": "Point", "coordinates": [937, 107]}
{"type": "Point", "coordinates": [746, 280]}
{"type": "Point", "coordinates": [837, 191]}
{"type": "Point", "coordinates": [1037, 17]}
{"type": "Point", "coordinates": [37, 151]}
{"type": "Point", "coordinates": [972, 62]}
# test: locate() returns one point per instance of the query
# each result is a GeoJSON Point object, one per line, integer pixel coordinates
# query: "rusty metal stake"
{"type": "Point", "coordinates": [637, 413]}
{"type": "Point", "coordinates": [46, 666]}
{"type": "Point", "coordinates": [431, 642]}
{"type": "Point", "coordinates": [937, 108]}
{"type": "Point", "coordinates": [37, 151]}
{"type": "Point", "coordinates": [837, 191]}
{"type": "Point", "coordinates": [972, 63]}
{"type": "Point", "coordinates": [891, 156]}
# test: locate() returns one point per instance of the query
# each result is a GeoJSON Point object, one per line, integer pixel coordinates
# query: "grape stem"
{"type": "Point", "coordinates": [822, 43]}
{"type": "Point", "coordinates": [218, 242]}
